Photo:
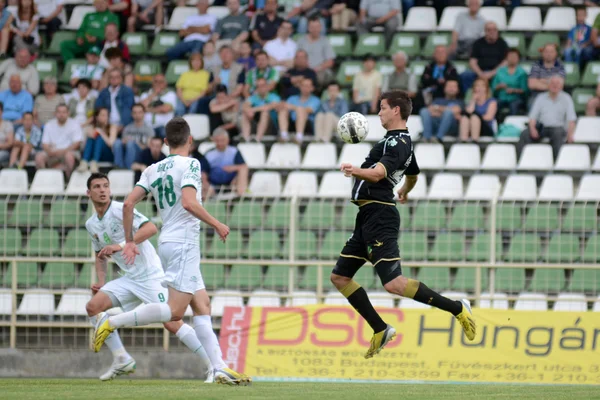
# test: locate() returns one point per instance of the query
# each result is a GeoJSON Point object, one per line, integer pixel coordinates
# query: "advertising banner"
{"type": "Point", "coordinates": [329, 342]}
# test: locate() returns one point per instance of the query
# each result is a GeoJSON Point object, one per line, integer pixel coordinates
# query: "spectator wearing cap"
{"type": "Point", "coordinates": [7, 137]}
{"type": "Point", "coordinates": [292, 79]}
{"type": "Point", "coordinates": [16, 100]}
{"type": "Point", "coordinates": [144, 12]}
{"type": "Point", "coordinates": [321, 57]}
{"type": "Point", "coordinates": [22, 66]}
{"type": "Point", "coordinates": [379, 13]}
{"type": "Point", "coordinates": [328, 116]}
{"type": "Point", "coordinates": [225, 110]}
{"type": "Point", "coordinates": [227, 166]}
{"type": "Point", "coordinates": [541, 72]}
{"type": "Point", "coordinates": [262, 70]}
{"type": "Point", "coordinates": [148, 156]}
{"type": "Point", "coordinates": [229, 73]}
{"type": "Point", "coordinates": [46, 103]}
{"type": "Point", "coordinates": [232, 29]}
{"type": "Point", "coordinates": [510, 84]}
{"type": "Point", "coordinates": [28, 141]}
{"type": "Point", "coordinates": [468, 27]}
{"type": "Point", "coordinates": [265, 24]}
{"type": "Point", "coordinates": [116, 61]}
{"type": "Point", "coordinates": [192, 86]}
{"type": "Point", "coordinates": [160, 103]}
{"type": "Point", "coordinates": [81, 107]}
{"type": "Point", "coordinates": [260, 109]}
{"type": "Point", "coordinates": [118, 99]}
{"type": "Point", "coordinates": [91, 70]}
{"type": "Point", "coordinates": [366, 88]}
{"type": "Point", "coordinates": [134, 139]}
{"type": "Point", "coordinates": [282, 49]}
{"type": "Point", "coordinates": [112, 40]}
{"type": "Point", "coordinates": [299, 111]}
{"type": "Point", "coordinates": [197, 30]}
{"type": "Point", "coordinates": [401, 78]}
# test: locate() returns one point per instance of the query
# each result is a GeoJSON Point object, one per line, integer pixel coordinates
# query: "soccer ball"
{"type": "Point", "coordinates": [353, 127]}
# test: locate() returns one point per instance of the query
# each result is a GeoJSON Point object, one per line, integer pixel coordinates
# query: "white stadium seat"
{"type": "Point", "coordinates": [538, 2]}
{"type": "Point", "coordinates": [199, 125]}
{"type": "Point", "coordinates": [483, 187]}
{"type": "Point", "coordinates": [446, 186]}
{"type": "Point", "coordinates": [573, 157]}
{"type": "Point", "coordinates": [448, 18]}
{"type": "Point", "coordinates": [121, 182]}
{"type": "Point", "coordinates": [456, 296]}
{"type": "Point", "coordinates": [354, 154]}
{"type": "Point", "coordinates": [37, 302]}
{"type": "Point", "coordinates": [382, 299]}
{"type": "Point", "coordinates": [48, 181]}
{"type": "Point", "coordinates": [178, 17]}
{"type": "Point", "coordinates": [411, 304]}
{"type": "Point", "coordinates": [264, 298]}
{"type": "Point", "coordinates": [225, 298]}
{"type": "Point", "coordinates": [205, 147]}
{"type": "Point", "coordinates": [536, 157]}
{"type": "Point", "coordinates": [218, 11]}
{"type": "Point", "coordinates": [78, 183]}
{"type": "Point", "coordinates": [301, 298]}
{"type": "Point", "coordinates": [320, 156]}
{"type": "Point", "coordinates": [596, 165]}
{"type": "Point", "coordinates": [284, 155]}
{"type": "Point", "coordinates": [13, 181]}
{"type": "Point", "coordinates": [557, 187]}
{"type": "Point", "coordinates": [300, 183]}
{"type": "Point", "coordinates": [430, 155]}
{"type": "Point", "coordinates": [499, 301]}
{"type": "Point", "coordinates": [587, 130]}
{"type": "Point", "coordinates": [559, 19]}
{"type": "Point", "coordinates": [520, 188]}
{"type": "Point", "coordinates": [335, 298]}
{"type": "Point", "coordinates": [421, 19]}
{"type": "Point", "coordinates": [531, 302]}
{"type": "Point", "coordinates": [5, 302]}
{"type": "Point", "coordinates": [592, 13]}
{"type": "Point", "coordinates": [73, 302]}
{"type": "Point", "coordinates": [265, 184]}
{"type": "Point", "coordinates": [519, 121]}
{"type": "Point", "coordinates": [589, 188]}
{"type": "Point", "coordinates": [525, 19]}
{"type": "Point", "coordinates": [79, 12]}
{"type": "Point", "coordinates": [376, 131]}
{"type": "Point", "coordinates": [253, 153]}
{"type": "Point", "coordinates": [463, 156]}
{"type": "Point", "coordinates": [595, 308]}
{"type": "Point", "coordinates": [414, 126]}
{"type": "Point", "coordinates": [573, 302]}
{"type": "Point", "coordinates": [335, 184]}
{"type": "Point", "coordinates": [499, 157]}
{"type": "Point", "coordinates": [494, 14]}
{"type": "Point", "coordinates": [418, 192]}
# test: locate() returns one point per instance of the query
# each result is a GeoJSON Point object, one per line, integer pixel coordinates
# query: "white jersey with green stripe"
{"type": "Point", "coordinates": [165, 180]}
{"type": "Point", "coordinates": [109, 230]}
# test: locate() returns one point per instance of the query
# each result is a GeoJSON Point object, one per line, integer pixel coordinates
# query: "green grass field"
{"type": "Point", "coordinates": [23, 389]}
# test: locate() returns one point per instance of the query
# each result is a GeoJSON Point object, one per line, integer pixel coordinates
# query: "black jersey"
{"type": "Point", "coordinates": [395, 153]}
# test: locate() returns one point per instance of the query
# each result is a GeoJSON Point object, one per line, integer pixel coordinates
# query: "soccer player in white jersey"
{"type": "Point", "coordinates": [176, 187]}
{"type": "Point", "coordinates": [140, 283]}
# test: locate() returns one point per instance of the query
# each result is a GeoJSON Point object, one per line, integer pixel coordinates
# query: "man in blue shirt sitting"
{"type": "Point", "coordinates": [227, 166]}
{"type": "Point", "coordinates": [17, 102]}
{"type": "Point", "coordinates": [260, 108]}
{"type": "Point", "coordinates": [299, 110]}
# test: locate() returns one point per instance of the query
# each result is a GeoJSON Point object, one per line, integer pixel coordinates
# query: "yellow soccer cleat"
{"type": "Point", "coordinates": [379, 340]}
{"type": "Point", "coordinates": [103, 330]}
{"type": "Point", "coordinates": [227, 376]}
{"type": "Point", "coordinates": [467, 321]}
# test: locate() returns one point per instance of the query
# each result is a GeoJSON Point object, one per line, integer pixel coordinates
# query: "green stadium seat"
{"type": "Point", "coordinates": [146, 208]}
{"type": "Point", "coordinates": [77, 244]}
{"type": "Point", "coordinates": [232, 248]}
{"type": "Point", "coordinates": [591, 74]}
{"type": "Point", "coordinates": [406, 42]}
{"type": "Point", "coordinates": [433, 40]}
{"type": "Point", "coordinates": [480, 248]}
{"type": "Point", "coordinates": [65, 214]}
{"type": "Point", "coordinates": [591, 253]}
{"type": "Point", "coordinates": [244, 277]}
{"type": "Point", "coordinates": [57, 39]}
{"type": "Point", "coordinates": [430, 215]}
{"type": "Point", "coordinates": [508, 217]}
{"type": "Point", "coordinates": [580, 98]}
{"type": "Point", "coordinates": [516, 40]}
{"type": "Point", "coordinates": [58, 275]}
{"type": "Point", "coordinates": [46, 67]}
{"type": "Point", "coordinates": [461, 66]}
{"type": "Point", "coordinates": [305, 245]}
{"type": "Point", "coordinates": [448, 247]}
{"type": "Point", "coordinates": [332, 244]}
{"type": "Point", "coordinates": [467, 217]}
{"type": "Point", "coordinates": [10, 241]}
{"type": "Point", "coordinates": [510, 279]}
{"type": "Point", "coordinates": [563, 248]}
{"type": "Point", "coordinates": [175, 69]}
{"type": "Point", "coordinates": [213, 276]}
{"type": "Point", "coordinates": [572, 71]}
{"type": "Point", "coordinates": [370, 43]}
{"type": "Point", "coordinates": [42, 242]}
{"type": "Point", "coordinates": [579, 218]}
{"type": "Point", "coordinates": [417, 68]}
{"type": "Point", "coordinates": [437, 278]}
{"type": "Point", "coordinates": [341, 44]}
{"type": "Point", "coordinates": [264, 244]}
{"type": "Point", "coordinates": [385, 67]}
{"type": "Point", "coordinates": [162, 42]}
{"type": "Point", "coordinates": [217, 209]}
{"type": "Point", "coordinates": [145, 69]}
{"type": "Point", "coordinates": [311, 277]}
{"type": "Point", "coordinates": [346, 72]}
{"type": "Point", "coordinates": [413, 246]}
{"type": "Point", "coordinates": [542, 217]}
{"type": "Point", "coordinates": [277, 276]}
{"type": "Point", "coordinates": [3, 212]}
{"type": "Point", "coordinates": [547, 280]}
{"type": "Point", "coordinates": [84, 279]}
{"type": "Point", "coordinates": [348, 217]}
{"type": "Point", "coordinates": [538, 41]}
{"type": "Point", "coordinates": [27, 274]}
{"type": "Point", "coordinates": [27, 212]}
{"type": "Point", "coordinates": [405, 220]}
{"type": "Point", "coordinates": [136, 42]}
{"type": "Point", "coordinates": [585, 280]}
{"type": "Point", "coordinates": [319, 215]}
{"type": "Point", "coordinates": [465, 279]}
{"type": "Point", "coordinates": [69, 68]}
{"type": "Point", "coordinates": [365, 277]}
{"type": "Point", "coordinates": [246, 214]}
{"type": "Point", "coordinates": [279, 215]}
{"type": "Point", "coordinates": [524, 247]}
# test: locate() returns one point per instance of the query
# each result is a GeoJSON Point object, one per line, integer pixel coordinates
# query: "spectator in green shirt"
{"type": "Point", "coordinates": [90, 33]}
{"type": "Point", "coordinates": [262, 70]}
{"type": "Point", "coordinates": [510, 84]}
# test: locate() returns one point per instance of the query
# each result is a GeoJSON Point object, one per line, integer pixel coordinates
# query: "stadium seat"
{"type": "Point", "coordinates": [84, 280]}
{"type": "Point", "coordinates": [253, 153]}
{"type": "Point", "coordinates": [27, 274]}
{"type": "Point", "coordinates": [467, 217]}
{"type": "Point", "coordinates": [547, 280]}
{"type": "Point", "coordinates": [592, 13]}
{"type": "Point", "coordinates": [514, 40]}
{"type": "Point", "coordinates": [73, 302]}
{"type": "Point", "coordinates": [448, 247]}
{"type": "Point", "coordinates": [244, 277]}
{"type": "Point", "coordinates": [370, 43]}
{"type": "Point", "coordinates": [264, 244]}
{"type": "Point", "coordinates": [376, 131]}
{"type": "Point", "coordinates": [421, 19]}
{"type": "Point", "coordinates": [499, 157]}
{"type": "Point", "coordinates": [45, 68]}
{"type": "Point", "coordinates": [10, 241]}
{"type": "Point", "coordinates": [366, 277]}
{"type": "Point", "coordinates": [57, 39]}
{"type": "Point", "coordinates": [300, 298]}
{"type": "Point", "coordinates": [417, 68]}
{"type": "Point", "coordinates": [310, 277]}
{"type": "Point", "coordinates": [409, 43]}
{"type": "Point", "coordinates": [77, 184]}
{"type": "Point", "coordinates": [13, 181]}
{"type": "Point", "coordinates": [542, 218]}
{"type": "Point", "coordinates": [573, 157]}
{"type": "Point", "coordinates": [446, 186]}
{"type": "Point", "coordinates": [175, 69]}
{"type": "Point", "coordinates": [137, 42]}
{"type": "Point", "coordinates": [579, 218]}
{"type": "Point", "coordinates": [430, 156]}
{"type": "Point", "coordinates": [47, 181]}
{"type": "Point", "coordinates": [5, 302]}
{"type": "Point", "coordinates": [556, 188]}
{"type": "Point", "coordinates": [536, 157]}
{"type": "Point", "coordinates": [563, 248]}
{"type": "Point", "coordinates": [58, 275]}
{"type": "Point", "coordinates": [580, 98]}
{"type": "Point", "coordinates": [429, 216]}
{"type": "Point", "coordinates": [346, 71]}
{"type": "Point", "coordinates": [463, 156]}
{"type": "Point", "coordinates": [406, 303]}
{"type": "Point", "coordinates": [348, 218]}
{"type": "Point", "coordinates": [572, 71]}
{"type": "Point", "coordinates": [497, 301]}
{"type": "Point", "coordinates": [570, 302]}
{"type": "Point", "coordinates": [531, 302]}
{"type": "Point", "coordinates": [589, 188]}
{"type": "Point", "coordinates": [213, 276]}
{"type": "Point", "coordinates": [77, 244]}
{"type": "Point", "coordinates": [483, 187]}
{"type": "Point", "coordinates": [448, 18]}
{"type": "Point", "coordinates": [381, 299]}
{"type": "Point", "coordinates": [277, 276]}
{"type": "Point", "coordinates": [332, 243]}
{"type": "Point", "coordinates": [591, 253]}
{"type": "Point", "coordinates": [27, 212]}
{"type": "Point", "coordinates": [521, 187]}
{"type": "Point", "coordinates": [305, 245]}
{"type": "Point", "coordinates": [217, 209]}
{"type": "Point", "coordinates": [77, 15]}
{"type": "Point", "coordinates": [246, 214]}
{"type": "Point", "coordinates": [42, 243]}
{"type": "Point", "coordinates": [525, 19]}
{"type": "Point", "coordinates": [335, 185]}
{"type": "Point", "coordinates": [218, 11]}
{"type": "Point", "coordinates": [178, 17]}
{"type": "Point", "coordinates": [302, 184]}
{"type": "Point", "coordinates": [341, 44]}
{"type": "Point", "coordinates": [433, 40]}
{"type": "Point", "coordinates": [510, 279]}
{"type": "Point", "coordinates": [37, 302]}
{"type": "Point", "coordinates": [225, 298]}
{"type": "Point", "coordinates": [461, 66]}
{"type": "Point", "coordinates": [520, 121]}
{"type": "Point", "coordinates": [419, 191]}
{"type": "Point", "coordinates": [466, 279]}
{"type": "Point", "coordinates": [591, 74]}
{"type": "Point", "coordinates": [162, 42]}
{"type": "Point", "coordinates": [480, 249]}
{"type": "Point", "coordinates": [144, 70]}
{"type": "Point", "coordinates": [559, 19]}
{"type": "Point", "coordinates": [495, 14]}
{"type": "Point", "coordinates": [199, 126]}
{"type": "Point", "coordinates": [596, 165]}
{"type": "Point", "coordinates": [284, 156]}
{"type": "Point", "coordinates": [320, 156]}
{"type": "Point", "coordinates": [264, 298]}
{"type": "Point", "coordinates": [586, 130]}
{"type": "Point", "coordinates": [524, 247]}
{"type": "Point", "coordinates": [121, 182]}
{"type": "Point", "coordinates": [355, 153]}
{"type": "Point", "coordinates": [585, 280]}
{"type": "Point", "coordinates": [508, 217]}
{"type": "Point", "coordinates": [278, 215]}
{"type": "Point", "coordinates": [65, 213]}
{"type": "Point", "coordinates": [232, 248]}
{"type": "Point", "coordinates": [335, 298]}
{"type": "Point", "coordinates": [265, 183]}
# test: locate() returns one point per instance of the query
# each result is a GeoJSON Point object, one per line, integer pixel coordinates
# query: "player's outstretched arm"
{"type": "Point", "coordinates": [130, 250]}
{"type": "Point", "coordinates": [146, 231]}
{"type": "Point", "coordinates": [371, 175]}
{"type": "Point", "coordinates": [409, 183]}
{"type": "Point", "coordinates": [191, 205]}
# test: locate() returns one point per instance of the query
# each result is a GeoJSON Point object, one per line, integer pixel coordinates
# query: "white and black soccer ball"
{"type": "Point", "coordinates": [353, 127]}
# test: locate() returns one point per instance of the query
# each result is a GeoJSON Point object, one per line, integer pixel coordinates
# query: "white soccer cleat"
{"type": "Point", "coordinates": [227, 376]}
{"type": "Point", "coordinates": [210, 376]}
{"type": "Point", "coordinates": [115, 370]}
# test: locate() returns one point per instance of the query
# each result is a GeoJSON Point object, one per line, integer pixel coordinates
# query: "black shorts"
{"type": "Point", "coordinates": [375, 239]}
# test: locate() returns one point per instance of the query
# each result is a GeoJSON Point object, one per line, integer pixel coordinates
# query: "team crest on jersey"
{"type": "Point", "coordinates": [392, 142]}
{"type": "Point", "coordinates": [194, 168]}
{"type": "Point", "coordinates": [115, 227]}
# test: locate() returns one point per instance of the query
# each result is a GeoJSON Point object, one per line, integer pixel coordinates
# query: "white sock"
{"type": "Point", "coordinates": [114, 344]}
{"type": "Point", "coordinates": [144, 315]}
{"type": "Point", "coordinates": [187, 335]}
{"type": "Point", "coordinates": [206, 334]}
{"type": "Point", "coordinates": [299, 136]}
{"type": "Point", "coordinates": [285, 136]}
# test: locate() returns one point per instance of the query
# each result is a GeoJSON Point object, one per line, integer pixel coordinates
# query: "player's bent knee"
{"type": "Point", "coordinates": [339, 281]}
{"type": "Point", "coordinates": [92, 308]}
{"type": "Point", "coordinates": [173, 326]}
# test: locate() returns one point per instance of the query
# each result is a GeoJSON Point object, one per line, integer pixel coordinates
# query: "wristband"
{"type": "Point", "coordinates": [122, 244]}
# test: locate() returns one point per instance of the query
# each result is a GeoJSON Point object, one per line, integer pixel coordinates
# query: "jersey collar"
{"type": "Point", "coordinates": [107, 208]}
{"type": "Point", "coordinates": [397, 132]}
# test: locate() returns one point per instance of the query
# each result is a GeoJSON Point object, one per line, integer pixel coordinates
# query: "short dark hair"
{"type": "Point", "coordinates": [156, 137]}
{"type": "Point", "coordinates": [399, 98]}
{"type": "Point", "coordinates": [514, 50]}
{"type": "Point", "coordinates": [113, 52]}
{"type": "Point", "coordinates": [27, 113]}
{"type": "Point", "coordinates": [138, 105]}
{"type": "Point", "coordinates": [220, 88]}
{"type": "Point", "coordinates": [314, 18]}
{"type": "Point", "coordinates": [334, 83]}
{"type": "Point", "coordinates": [264, 53]}
{"type": "Point", "coordinates": [178, 132]}
{"type": "Point", "coordinates": [94, 176]}
{"type": "Point", "coordinates": [84, 82]}
{"type": "Point", "coordinates": [369, 57]}
{"type": "Point", "coordinates": [225, 47]}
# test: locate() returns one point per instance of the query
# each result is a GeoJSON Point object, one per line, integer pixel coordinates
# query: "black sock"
{"type": "Point", "coordinates": [427, 296]}
{"type": "Point", "coordinates": [360, 301]}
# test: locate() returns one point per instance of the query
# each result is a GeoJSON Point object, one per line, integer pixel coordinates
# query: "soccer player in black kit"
{"type": "Point", "coordinates": [375, 236]}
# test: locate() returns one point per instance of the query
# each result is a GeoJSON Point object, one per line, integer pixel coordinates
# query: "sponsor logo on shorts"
{"type": "Point", "coordinates": [194, 278]}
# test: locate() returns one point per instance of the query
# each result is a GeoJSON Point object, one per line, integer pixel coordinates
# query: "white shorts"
{"type": "Point", "coordinates": [181, 262]}
{"type": "Point", "coordinates": [130, 293]}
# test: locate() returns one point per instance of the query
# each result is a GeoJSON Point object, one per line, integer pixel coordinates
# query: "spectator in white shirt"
{"type": "Point", "coordinates": [20, 65]}
{"type": "Point", "coordinates": [145, 12]}
{"type": "Point", "coordinates": [91, 70]}
{"type": "Point", "coordinates": [61, 142]}
{"type": "Point", "coordinates": [282, 49]}
{"type": "Point", "coordinates": [52, 15]}
{"type": "Point", "coordinates": [196, 30]}
{"type": "Point", "coordinates": [160, 103]}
